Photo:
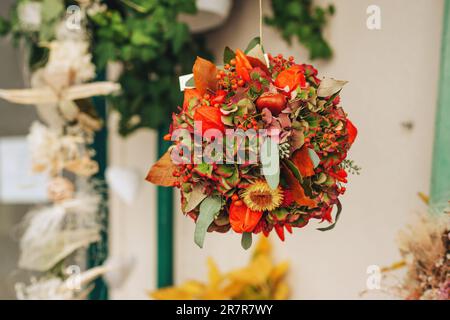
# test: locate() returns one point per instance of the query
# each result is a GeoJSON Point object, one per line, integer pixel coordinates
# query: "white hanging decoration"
{"type": "Point", "coordinates": [62, 81]}
{"type": "Point", "coordinates": [76, 286]}
{"type": "Point", "coordinates": [52, 233]}
{"type": "Point", "coordinates": [125, 182]}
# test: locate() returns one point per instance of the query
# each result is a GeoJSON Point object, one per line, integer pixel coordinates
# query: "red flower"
{"type": "Point", "coordinates": [340, 175]}
{"type": "Point", "coordinates": [210, 117]}
{"type": "Point", "coordinates": [242, 219]}
{"type": "Point", "coordinates": [352, 132]}
{"type": "Point", "coordinates": [291, 78]}
{"type": "Point", "coordinates": [326, 215]}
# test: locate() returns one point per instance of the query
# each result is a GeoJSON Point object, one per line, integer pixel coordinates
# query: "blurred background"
{"type": "Point", "coordinates": [391, 97]}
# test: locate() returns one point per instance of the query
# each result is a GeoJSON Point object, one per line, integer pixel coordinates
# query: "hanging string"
{"type": "Point", "coordinates": [260, 22]}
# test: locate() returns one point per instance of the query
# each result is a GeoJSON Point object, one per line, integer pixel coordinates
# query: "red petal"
{"type": "Point", "coordinates": [288, 228]}
{"type": "Point", "coordinates": [280, 231]}
{"type": "Point", "coordinates": [352, 132]}
{"type": "Point", "coordinates": [242, 219]}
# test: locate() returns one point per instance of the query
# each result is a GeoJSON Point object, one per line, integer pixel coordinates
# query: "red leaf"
{"type": "Point", "coordinates": [303, 162]}
{"type": "Point", "coordinates": [256, 63]}
{"type": "Point", "coordinates": [298, 192]}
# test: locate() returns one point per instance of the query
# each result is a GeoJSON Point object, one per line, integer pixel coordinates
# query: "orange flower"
{"type": "Point", "coordinates": [291, 77]}
{"type": "Point", "coordinates": [210, 117]}
{"type": "Point", "coordinates": [243, 66]}
{"type": "Point", "coordinates": [242, 219]}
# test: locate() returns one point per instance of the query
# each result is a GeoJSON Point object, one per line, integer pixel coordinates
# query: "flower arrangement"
{"type": "Point", "coordinates": [260, 144]}
{"type": "Point", "coordinates": [261, 279]}
{"type": "Point", "coordinates": [425, 250]}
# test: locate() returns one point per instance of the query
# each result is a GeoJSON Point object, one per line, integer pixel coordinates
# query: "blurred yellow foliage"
{"type": "Point", "coordinates": [261, 279]}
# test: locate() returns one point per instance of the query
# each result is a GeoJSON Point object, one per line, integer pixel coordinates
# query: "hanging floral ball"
{"type": "Point", "coordinates": [259, 144]}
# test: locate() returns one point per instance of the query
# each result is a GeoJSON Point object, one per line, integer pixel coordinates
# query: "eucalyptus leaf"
{"type": "Point", "coordinates": [195, 197]}
{"type": "Point", "coordinates": [209, 209]}
{"type": "Point", "coordinates": [270, 160]}
{"type": "Point", "coordinates": [329, 86]}
{"type": "Point", "coordinates": [291, 166]}
{"type": "Point", "coordinates": [314, 157]}
{"type": "Point", "coordinates": [338, 213]}
{"type": "Point", "coordinates": [246, 240]}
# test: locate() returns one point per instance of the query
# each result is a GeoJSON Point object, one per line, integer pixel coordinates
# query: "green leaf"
{"type": "Point", "coordinates": [140, 38]}
{"type": "Point", "coordinates": [246, 240]}
{"type": "Point", "coordinates": [180, 37]}
{"type": "Point", "coordinates": [51, 10]}
{"type": "Point", "coordinates": [255, 41]}
{"type": "Point", "coordinates": [228, 54]}
{"type": "Point", "coordinates": [270, 160]}
{"type": "Point", "coordinates": [314, 157]}
{"type": "Point", "coordinates": [234, 179]}
{"type": "Point", "coordinates": [225, 170]}
{"type": "Point", "coordinates": [209, 208]}
{"type": "Point", "coordinates": [338, 213]}
{"type": "Point", "coordinates": [5, 26]}
{"type": "Point", "coordinates": [204, 169]}
{"type": "Point", "coordinates": [194, 198]}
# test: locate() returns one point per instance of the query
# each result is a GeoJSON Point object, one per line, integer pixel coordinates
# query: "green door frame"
{"type": "Point", "coordinates": [164, 224]}
{"type": "Point", "coordinates": [440, 179]}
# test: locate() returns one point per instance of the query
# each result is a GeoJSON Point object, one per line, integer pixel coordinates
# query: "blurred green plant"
{"type": "Point", "coordinates": [303, 20]}
{"type": "Point", "coordinates": [154, 48]}
{"type": "Point", "coordinates": [145, 36]}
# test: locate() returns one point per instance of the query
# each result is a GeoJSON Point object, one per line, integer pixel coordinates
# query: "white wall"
{"type": "Point", "coordinates": [393, 76]}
